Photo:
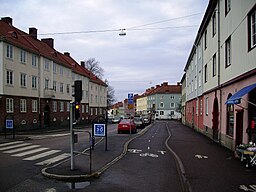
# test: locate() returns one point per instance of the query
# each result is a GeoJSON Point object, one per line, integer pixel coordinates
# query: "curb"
{"type": "Point", "coordinates": [97, 174]}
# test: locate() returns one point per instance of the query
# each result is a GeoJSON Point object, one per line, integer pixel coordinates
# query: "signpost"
{"type": "Point", "coordinates": [9, 125]}
{"type": "Point", "coordinates": [99, 130]}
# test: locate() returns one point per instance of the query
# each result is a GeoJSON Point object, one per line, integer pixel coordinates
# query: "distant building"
{"type": "Point", "coordinates": [220, 64]}
{"type": "Point", "coordinates": [36, 82]}
{"type": "Point", "coordinates": [165, 101]}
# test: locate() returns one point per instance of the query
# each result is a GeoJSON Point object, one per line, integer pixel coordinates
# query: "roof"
{"type": "Point", "coordinates": [166, 89]}
{"type": "Point", "coordinates": [29, 42]}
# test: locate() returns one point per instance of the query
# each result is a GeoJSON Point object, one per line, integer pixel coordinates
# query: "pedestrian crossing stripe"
{"type": "Point", "coordinates": [54, 159]}
{"type": "Point", "coordinates": [30, 152]}
{"type": "Point", "coordinates": [14, 146]}
{"type": "Point", "coordinates": [22, 149]}
{"type": "Point", "coordinates": [10, 143]}
{"type": "Point", "coordinates": [41, 155]}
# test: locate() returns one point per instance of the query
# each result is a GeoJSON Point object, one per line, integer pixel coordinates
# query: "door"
{"type": "Point", "coordinates": [239, 127]}
{"type": "Point", "coordinates": [215, 120]}
{"type": "Point", "coordinates": [47, 117]}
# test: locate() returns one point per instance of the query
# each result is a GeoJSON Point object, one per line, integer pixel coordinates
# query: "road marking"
{"type": "Point", "coordinates": [201, 157]}
{"type": "Point", "coordinates": [22, 149]}
{"type": "Point", "coordinates": [11, 143]}
{"type": "Point", "coordinates": [148, 154]}
{"type": "Point", "coordinates": [30, 152]}
{"type": "Point", "coordinates": [149, 141]}
{"type": "Point", "coordinates": [134, 150]}
{"type": "Point", "coordinates": [162, 152]}
{"type": "Point", "coordinates": [148, 148]}
{"type": "Point", "coordinates": [54, 159]}
{"type": "Point", "coordinates": [14, 146]}
{"type": "Point", "coordinates": [41, 155]}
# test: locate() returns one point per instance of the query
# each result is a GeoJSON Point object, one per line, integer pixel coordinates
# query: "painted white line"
{"type": "Point", "coordinates": [30, 152]}
{"type": "Point", "coordinates": [54, 159]}
{"type": "Point", "coordinates": [149, 141]}
{"type": "Point", "coordinates": [11, 143]}
{"type": "Point", "coordinates": [14, 146]}
{"type": "Point", "coordinates": [22, 149]}
{"type": "Point", "coordinates": [162, 152]}
{"type": "Point", "coordinates": [148, 148]}
{"type": "Point", "coordinates": [41, 155]}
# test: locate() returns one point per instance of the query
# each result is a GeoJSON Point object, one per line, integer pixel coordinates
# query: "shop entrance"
{"type": "Point", "coordinates": [239, 127]}
{"type": "Point", "coordinates": [215, 120]}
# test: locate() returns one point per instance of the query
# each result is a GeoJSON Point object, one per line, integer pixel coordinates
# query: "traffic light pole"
{"type": "Point", "coordinates": [71, 136]}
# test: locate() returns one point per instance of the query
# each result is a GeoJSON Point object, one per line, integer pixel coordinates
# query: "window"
{"type": "Point", "coordinates": [68, 106]}
{"type": "Point", "coordinates": [172, 113]}
{"type": "Point", "coordinates": [82, 108]}
{"type": "Point", "coordinates": [34, 60]}
{"type": "Point", "coordinates": [34, 105]}
{"type": "Point", "coordinates": [9, 51]}
{"type": "Point", "coordinates": [9, 77]}
{"type": "Point", "coordinates": [54, 85]}
{"type": "Point", "coordinates": [214, 67]}
{"type": "Point", "coordinates": [227, 6]}
{"type": "Point", "coordinates": [61, 106]}
{"type": "Point", "coordinates": [205, 39]}
{"type": "Point", "coordinates": [252, 28]}
{"type": "Point", "coordinates": [46, 84]}
{"type": "Point", "coordinates": [54, 68]}
{"type": "Point", "coordinates": [61, 70]}
{"type": "Point", "coordinates": [54, 106]}
{"type": "Point", "coordinates": [201, 106]}
{"type": "Point", "coordinates": [172, 105]}
{"type": "Point", "coordinates": [199, 79]}
{"type": "Point", "coordinates": [161, 112]}
{"type": "Point", "coordinates": [206, 106]}
{"type": "Point", "coordinates": [230, 118]}
{"type": "Point", "coordinates": [68, 88]}
{"type": "Point", "coordinates": [205, 74]}
{"type": "Point", "coordinates": [61, 87]}
{"type": "Point", "coordinates": [46, 65]}
{"type": "Point", "coordinates": [228, 52]}
{"type": "Point", "coordinates": [87, 108]}
{"type": "Point", "coordinates": [172, 97]}
{"type": "Point", "coordinates": [214, 24]}
{"type": "Point", "coordinates": [22, 56]}
{"type": "Point", "coordinates": [197, 107]}
{"type": "Point", "coordinates": [23, 105]}
{"type": "Point", "coordinates": [161, 104]}
{"type": "Point", "coordinates": [9, 105]}
{"type": "Point", "coordinates": [23, 80]}
{"type": "Point", "coordinates": [34, 82]}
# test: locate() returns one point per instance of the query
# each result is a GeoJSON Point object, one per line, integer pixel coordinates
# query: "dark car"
{"type": "Point", "coordinates": [139, 122]}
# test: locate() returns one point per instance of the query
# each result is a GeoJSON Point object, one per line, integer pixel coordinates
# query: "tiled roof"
{"type": "Point", "coordinates": [23, 40]}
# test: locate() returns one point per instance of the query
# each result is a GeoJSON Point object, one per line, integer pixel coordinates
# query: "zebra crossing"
{"type": "Point", "coordinates": [31, 152]}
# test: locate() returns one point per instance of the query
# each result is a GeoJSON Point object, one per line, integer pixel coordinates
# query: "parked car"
{"type": "Point", "coordinates": [116, 119]}
{"type": "Point", "coordinates": [146, 120]}
{"type": "Point", "coordinates": [139, 122]}
{"type": "Point", "coordinates": [126, 125]}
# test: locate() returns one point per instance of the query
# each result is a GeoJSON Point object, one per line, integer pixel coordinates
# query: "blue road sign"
{"type": "Point", "coordinates": [9, 124]}
{"type": "Point", "coordinates": [130, 98]}
{"type": "Point", "coordinates": [99, 130]}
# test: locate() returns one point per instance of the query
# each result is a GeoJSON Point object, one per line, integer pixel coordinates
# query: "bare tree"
{"type": "Point", "coordinates": [92, 65]}
{"type": "Point", "coordinates": [110, 95]}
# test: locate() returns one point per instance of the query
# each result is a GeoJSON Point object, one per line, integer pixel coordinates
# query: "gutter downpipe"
{"type": "Point", "coordinates": [219, 86]}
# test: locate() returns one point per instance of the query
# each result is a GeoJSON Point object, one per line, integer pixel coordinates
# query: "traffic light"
{"type": "Point", "coordinates": [77, 110]}
{"type": "Point", "coordinates": [78, 91]}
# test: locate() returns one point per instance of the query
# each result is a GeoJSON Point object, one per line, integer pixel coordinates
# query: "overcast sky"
{"type": "Point", "coordinates": [159, 35]}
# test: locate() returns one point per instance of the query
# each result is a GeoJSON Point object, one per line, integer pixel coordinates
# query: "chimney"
{"type": "Point", "coordinates": [165, 83]}
{"type": "Point", "coordinates": [83, 64]}
{"type": "Point", "coordinates": [7, 20]}
{"type": "Point", "coordinates": [48, 41]}
{"type": "Point", "coordinates": [67, 54]}
{"type": "Point", "coordinates": [157, 86]}
{"type": "Point", "coordinates": [178, 83]}
{"type": "Point", "coordinates": [33, 32]}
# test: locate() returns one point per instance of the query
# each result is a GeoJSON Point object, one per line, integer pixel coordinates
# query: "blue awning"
{"type": "Point", "coordinates": [235, 99]}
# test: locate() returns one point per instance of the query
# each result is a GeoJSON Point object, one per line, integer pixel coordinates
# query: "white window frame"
{"type": "Point", "coordinates": [34, 106]}
{"type": "Point", "coordinates": [34, 82]}
{"type": "Point", "coordinates": [68, 106]}
{"type": "Point", "coordinates": [9, 77]}
{"type": "Point", "coordinates": [61, 106]}
{"type": "Point", "coordinates": [206, 106]}
{"type": "Point", "coordinates": [34, 60]}
{"type": "Point", "coordinates": [23, 79]}
{"type": "Point", "coordinates": [23, 55]}
{"type": "Point", "coordinates": [61, 87]}
{"type": "Point", "coordinates": [172, 105]}
{"type": "Point", "coordinates": [54, 106]}
{"type": "Point", "coordinates": [161, 104]}
{"type": "Point", "coordinates": [9, 105]}
{"type": "Point", "coordinates": [9, 51]}
{"type": "Point", "coordinates": [23, 105]}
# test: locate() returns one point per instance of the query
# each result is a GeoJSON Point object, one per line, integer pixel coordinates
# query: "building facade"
{"type": "Point", "coordinates": [36, 81]}
{"type": "Point", "coordinates": [221, 63]}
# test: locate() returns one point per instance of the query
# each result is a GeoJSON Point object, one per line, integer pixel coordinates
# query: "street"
{"type": "Point", "coordinates": [167, 157]}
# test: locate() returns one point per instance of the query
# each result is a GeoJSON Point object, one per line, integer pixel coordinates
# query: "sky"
{"type": "Point", "coordinates": [159, 35]}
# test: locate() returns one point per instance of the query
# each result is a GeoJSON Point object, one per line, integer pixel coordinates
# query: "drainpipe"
{"type": "Point", "coordinates": [219, 86]}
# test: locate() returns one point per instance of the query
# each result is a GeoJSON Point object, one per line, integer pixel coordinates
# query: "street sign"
{"type": "Point", "coordinates": [9, 123]}
{"type": "Point", "coordinates": [130, 106]}
{"type": "Point", "coordinates": [130, 98]}
{"type": "Point", "coordinates": [99, 130]}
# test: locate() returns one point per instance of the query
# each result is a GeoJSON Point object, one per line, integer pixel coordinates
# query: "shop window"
{"type": "Point", "coordinates": [230, 118]}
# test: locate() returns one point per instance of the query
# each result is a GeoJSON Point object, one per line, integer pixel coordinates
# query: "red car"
{"type": "Point", "coordinates": [126, 125]}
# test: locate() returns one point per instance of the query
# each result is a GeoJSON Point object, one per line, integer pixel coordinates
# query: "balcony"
{"type": "Point", "coordinates": [49, 93]}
